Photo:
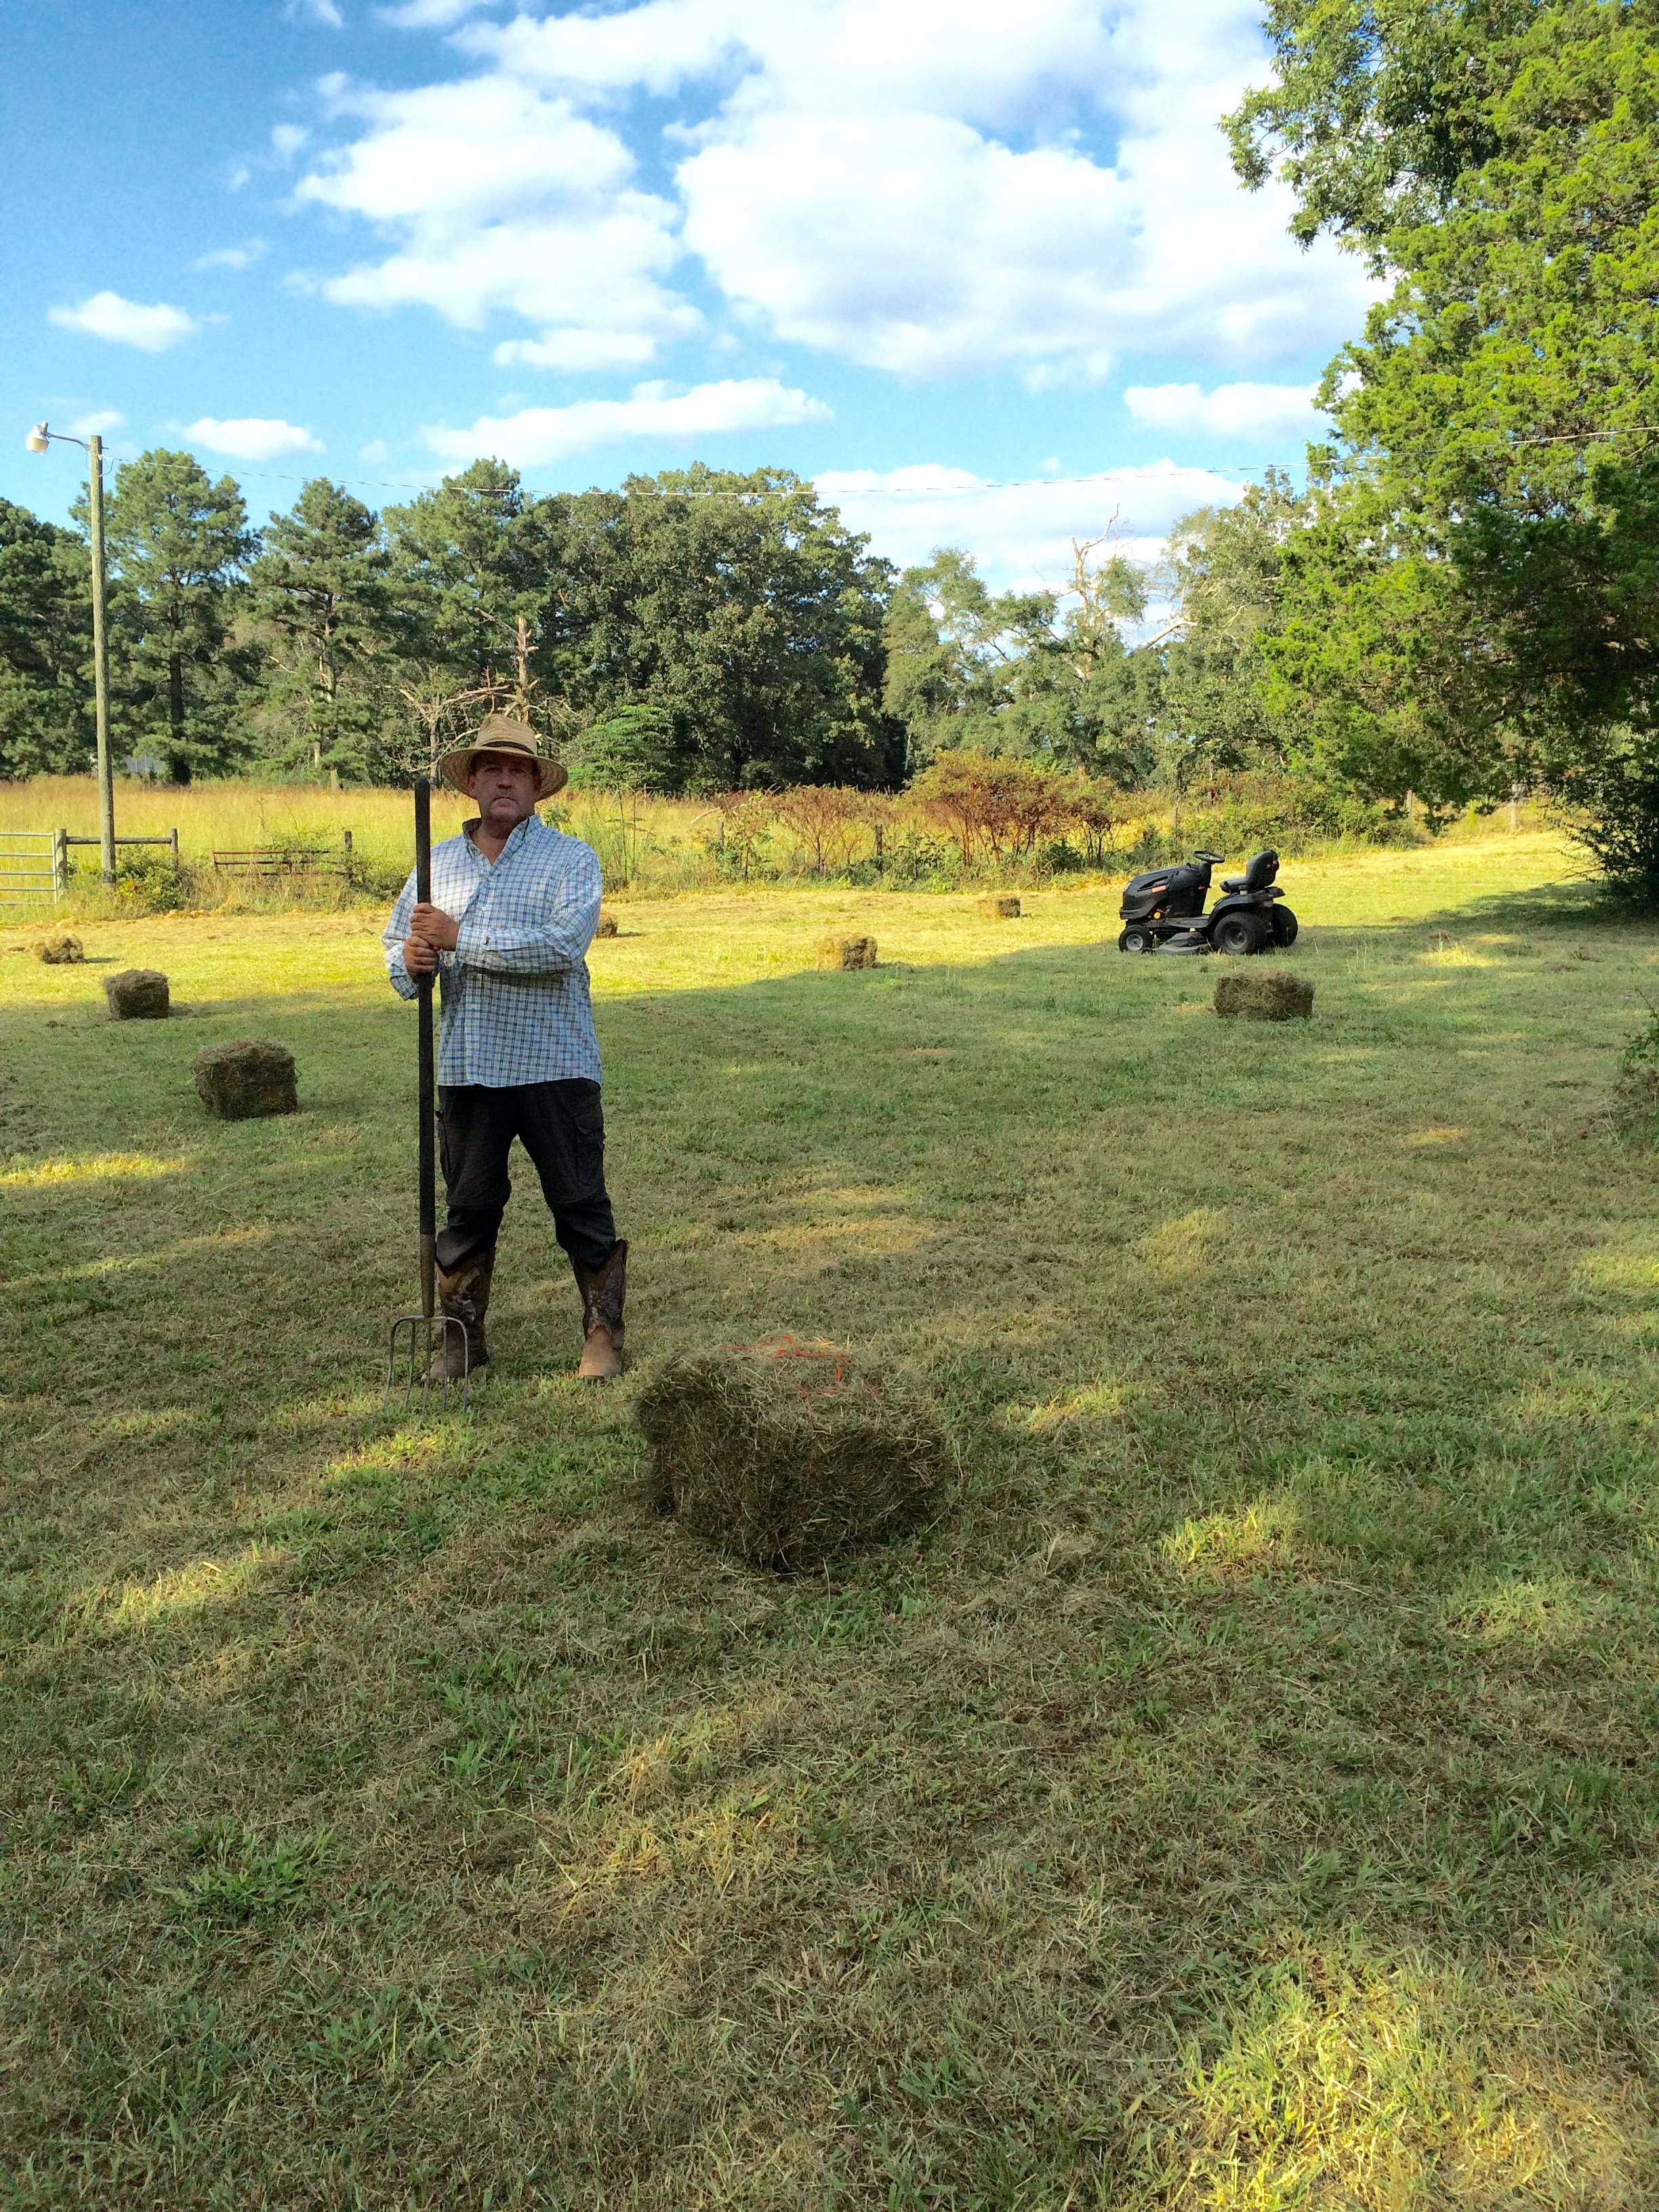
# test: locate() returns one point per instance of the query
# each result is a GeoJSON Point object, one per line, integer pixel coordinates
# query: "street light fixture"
{"type": "Point", "coordinates": [38, 441]}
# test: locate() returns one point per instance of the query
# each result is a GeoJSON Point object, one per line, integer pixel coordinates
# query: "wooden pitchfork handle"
{"type": "Point", "coordinates": [427, 1081]}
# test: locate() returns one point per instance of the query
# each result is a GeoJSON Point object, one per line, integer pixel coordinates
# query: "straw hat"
{"type": "Point", "coordinates": [501, 733]}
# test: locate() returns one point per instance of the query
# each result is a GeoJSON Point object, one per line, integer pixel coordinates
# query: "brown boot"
{"type": "Point", "coordinates": [602, 1315]}
{"type": "Point", "coordinates": [464, 1296]}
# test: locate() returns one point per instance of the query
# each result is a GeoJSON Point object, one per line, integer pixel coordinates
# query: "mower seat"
{"type": "Point", "coordinates": [1260, 869]}
{"type": "Point", "coordinates": [1232, 882]}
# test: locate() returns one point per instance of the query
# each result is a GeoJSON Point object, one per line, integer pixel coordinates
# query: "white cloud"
{"type": "Point", "coordinates": [99, 420]}
{"type": "Point", "coordinates": [933, 197]}
{"type": "Point", "coordinates": [578, 350]}
{"type": "Point", "coordinates": [253, 437]}
{"type": "Point", "coordinates": [538, 435]}
{"type": "Point", "coordinates": [503, 199]}
{"type": "Point", "coordinates": [1020, 533]}
{"type": "Point", "coordinates": [427, 14]}
{"type": "Point", "coordinates": [1040, 188]}
{"type": "Point", "coordinates": [123, 322]}
{"type": "Point", "coordinates": [375, 450]}
{"type": "Point", "coordinates": [231, 257]}
{"type": "Point", "coordinates": [1232, 411]}
{"type": "Point", "coordinates": [315, 11]}
{"type": "Point", "coordinates": [287, 139]}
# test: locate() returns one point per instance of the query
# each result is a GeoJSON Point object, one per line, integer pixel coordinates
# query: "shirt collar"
{"type": "Point", "coordinates": [514, 837]}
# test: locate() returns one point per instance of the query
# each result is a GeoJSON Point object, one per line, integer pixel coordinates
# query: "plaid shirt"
{"type": "Point", "coordinates": [515, 1002]}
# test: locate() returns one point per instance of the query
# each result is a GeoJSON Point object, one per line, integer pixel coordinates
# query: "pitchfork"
{"type": "Point", "coordinates": [427, 1330]}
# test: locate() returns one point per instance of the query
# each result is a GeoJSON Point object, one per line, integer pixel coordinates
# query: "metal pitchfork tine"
{"type": "Point", "coordinates": [427, 1331]}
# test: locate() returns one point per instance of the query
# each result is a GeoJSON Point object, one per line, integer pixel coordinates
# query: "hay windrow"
{"type": "Point", "coordinates": [790, 1455]}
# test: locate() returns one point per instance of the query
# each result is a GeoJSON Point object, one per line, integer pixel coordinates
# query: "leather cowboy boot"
{"type": "Point", "coordinates": [602, 1314]}
{"type": "Point", "coordinates": [465, 1294]}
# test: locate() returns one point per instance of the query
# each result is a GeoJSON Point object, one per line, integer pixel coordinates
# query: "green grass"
{"type": "Point", "coordinates": [1246, 1798]}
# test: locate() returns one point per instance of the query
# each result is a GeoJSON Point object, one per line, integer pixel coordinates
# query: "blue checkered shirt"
{"type": "Point", "coordinates": [515, 1001]}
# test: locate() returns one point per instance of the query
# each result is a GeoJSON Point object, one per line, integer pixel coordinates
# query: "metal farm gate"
{"type": "Point", "coordinates": [33, 865]}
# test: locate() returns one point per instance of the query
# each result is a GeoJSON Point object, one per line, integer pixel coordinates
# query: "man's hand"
{"type": "Point", "coordinates": [431, 923]}
{"type": "Point", "coordinates": [420, 958]}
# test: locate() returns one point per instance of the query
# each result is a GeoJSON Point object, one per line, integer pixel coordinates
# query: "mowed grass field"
{"type": "Point", "coordinates": [1245, 1798]}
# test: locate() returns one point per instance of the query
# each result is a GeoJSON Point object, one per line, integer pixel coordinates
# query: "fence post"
{"type": "Point", "coordinates": [59, 864]}
{"type": "Point", "coordinates": [173, 840]}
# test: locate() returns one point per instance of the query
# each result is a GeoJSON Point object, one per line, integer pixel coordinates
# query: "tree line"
{"type": "Point", "coordinates": [694, 632]}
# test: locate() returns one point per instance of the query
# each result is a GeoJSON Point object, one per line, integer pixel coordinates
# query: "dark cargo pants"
{"type": "Point", "coordinates": [562, 1127]}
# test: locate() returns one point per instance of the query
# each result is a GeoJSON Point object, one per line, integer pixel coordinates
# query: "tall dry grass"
{"type": "Point", "coordinates": [235, 814]}
{"type": "Point", "coordinates": [644, 844]}
{"type": "Point", "coordinates": [663, 842]}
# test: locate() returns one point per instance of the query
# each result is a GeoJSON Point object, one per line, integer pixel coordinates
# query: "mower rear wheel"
{"type": "Point", "coordinates": [1284, 927]}
{"type": "Point", "coordinates": [1137, 937]}
{"type": "Point", "coordinates": [1238, 933]}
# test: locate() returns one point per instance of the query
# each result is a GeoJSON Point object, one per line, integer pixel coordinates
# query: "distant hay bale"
{"type": "Point", "coordinates": [607, 926]}
{"type": "Point", "coordinates": [60, 951]}
{"type": "Point", "coordinates": [790, 1455]}
{"type": "Point", "coordinates": [1263, 995]}
{"type": "Point", "coordinates": [846, 953]}
{"type": "Point", "coordinates": [244, 1079]}
{"type": "Point", "coordinates": [137, 994]}
{"type": "Point", "coordinates": [999, 909]}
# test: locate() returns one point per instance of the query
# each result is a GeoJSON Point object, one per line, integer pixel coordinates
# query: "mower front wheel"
{"type": "Point", "coordinates": [1238, 933]}
{"type": "Point", "coordinates": [1137, 937]}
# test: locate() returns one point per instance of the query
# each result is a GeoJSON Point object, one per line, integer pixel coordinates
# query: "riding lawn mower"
{"type": "Point", "coordinates": [1163, 910]}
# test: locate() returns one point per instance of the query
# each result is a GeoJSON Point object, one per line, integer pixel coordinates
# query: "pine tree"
{"type": "Point", "coordinates": [319, 590]}
{"type": "Point", "coordinates": [45, 646]}
{"type": "Point", "coordinates": [177, 547]}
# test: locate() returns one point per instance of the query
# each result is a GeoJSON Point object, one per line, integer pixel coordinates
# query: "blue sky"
{"type": "Point", "coordinates": [918, 250]}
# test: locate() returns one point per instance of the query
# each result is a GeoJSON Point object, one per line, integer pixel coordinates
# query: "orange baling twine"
{"type": "Point", "coordinates": [789, 1347]}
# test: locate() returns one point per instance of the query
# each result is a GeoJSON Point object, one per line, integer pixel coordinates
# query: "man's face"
{"type": "Point", "coordinates": [505, 788]}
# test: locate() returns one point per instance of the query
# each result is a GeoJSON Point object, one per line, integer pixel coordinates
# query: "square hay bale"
{"type": "Point", "coordinates": [1263, 995]}
{"type": "Point", "coordinates": [138, 994]}
{"type": "Point", "coordinates": [846, 953]}
{"type": "Point", "coordinates": [1000, 908]}
{"type": "Point", "coordinates": [245, 1078]}
{"type": "Point", "coordinates": [60, 951]}
{"type": "Point", "coordinates": [607, 925]}
{"type": "Point", "coordinates": [790, 1455]}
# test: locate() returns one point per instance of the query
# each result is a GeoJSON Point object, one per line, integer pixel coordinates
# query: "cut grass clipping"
{"type": "Point", "coordinates": [790, 1455]}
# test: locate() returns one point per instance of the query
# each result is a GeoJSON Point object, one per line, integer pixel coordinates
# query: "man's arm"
{"type": "Point", "coordinates": [554, 943]}
{"type": "Point", "coordinates": [392, 941]}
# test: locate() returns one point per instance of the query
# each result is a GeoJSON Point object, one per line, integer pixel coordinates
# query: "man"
{"type": "Point", "coordinates": [514, 908]}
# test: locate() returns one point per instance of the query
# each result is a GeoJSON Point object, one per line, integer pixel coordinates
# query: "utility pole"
{"type": "Point", "coordinates": [39, 441]}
